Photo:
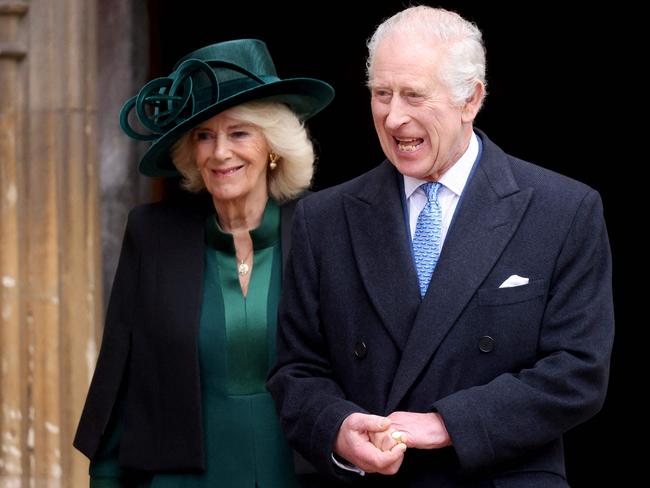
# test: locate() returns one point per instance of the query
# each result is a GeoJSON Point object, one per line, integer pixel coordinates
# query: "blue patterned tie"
{"type": "Point", "coordinates": [428, 236]}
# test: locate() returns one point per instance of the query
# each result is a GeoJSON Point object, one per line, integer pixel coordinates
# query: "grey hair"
{"type": "Point", "coordinates": [463, 61]}
{"type": "Point", "coordinates": [286, 136]}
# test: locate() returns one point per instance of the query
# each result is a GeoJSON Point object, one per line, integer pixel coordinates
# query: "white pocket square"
{"type": "Point", "coordinates": [514, 280]}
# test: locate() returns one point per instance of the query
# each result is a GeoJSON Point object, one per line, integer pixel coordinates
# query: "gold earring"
{"type": "Point", "coordinates": [273, 158]}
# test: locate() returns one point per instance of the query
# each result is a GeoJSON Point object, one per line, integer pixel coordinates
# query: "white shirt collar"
{"type": "Point", "coordinates": [455, 177]}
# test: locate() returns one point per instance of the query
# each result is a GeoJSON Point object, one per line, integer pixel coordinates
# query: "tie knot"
{"type": "Point", "coordinates": [431, 191]}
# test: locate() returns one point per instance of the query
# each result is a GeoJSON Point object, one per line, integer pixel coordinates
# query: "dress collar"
{"type": "Point", "coordinates": [267, 234]}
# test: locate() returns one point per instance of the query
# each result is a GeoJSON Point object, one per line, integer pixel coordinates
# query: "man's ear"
{"type": "Point", "coordinates": [473, 103]}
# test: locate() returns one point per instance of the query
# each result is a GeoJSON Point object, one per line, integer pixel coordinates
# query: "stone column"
{"type": "Point", "coordinates": [12, 392]}
{"type": "Point", "coordinates": [49, 236]}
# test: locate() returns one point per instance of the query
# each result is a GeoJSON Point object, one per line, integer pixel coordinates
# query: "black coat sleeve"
{"type": "Point", "coordinates": [115, 346]}
{"type": "Point", "coordinates": [309, 400]}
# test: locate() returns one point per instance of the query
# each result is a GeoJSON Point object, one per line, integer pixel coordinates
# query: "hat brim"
{"type": "Point", "coordinates": [305, 96]}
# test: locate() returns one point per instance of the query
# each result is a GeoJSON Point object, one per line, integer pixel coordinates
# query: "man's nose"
{"type": "Point", "coordinates": [397, 114]}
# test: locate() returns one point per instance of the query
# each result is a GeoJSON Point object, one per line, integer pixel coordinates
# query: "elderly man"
{"type": "Point", "coordinates": [447, 316]}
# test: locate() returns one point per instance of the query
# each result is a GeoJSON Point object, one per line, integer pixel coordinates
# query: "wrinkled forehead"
{"type": "Point", "coordinates": [408, 45]}
{"type": "Point", "coordinates": [405, 56]}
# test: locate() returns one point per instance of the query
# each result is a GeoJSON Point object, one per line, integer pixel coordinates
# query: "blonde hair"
{"type": "Point", "coordinates": [284, 133]}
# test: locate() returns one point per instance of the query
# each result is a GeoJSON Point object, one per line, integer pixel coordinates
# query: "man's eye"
{"type": "Point", "coordinates": [381, 94]}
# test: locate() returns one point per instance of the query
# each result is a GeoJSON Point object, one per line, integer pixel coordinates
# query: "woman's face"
{"type": "Point", "coordinates": [232, 158]}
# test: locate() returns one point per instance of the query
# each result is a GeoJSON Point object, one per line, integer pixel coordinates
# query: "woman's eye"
{"type": "Point", "coordinates": [203, 136]}
{"type": "Point", "coordinates": [238, 134]}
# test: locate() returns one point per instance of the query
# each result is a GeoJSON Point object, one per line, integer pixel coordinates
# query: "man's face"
{"type": "Point", "coordinates": [421, 132]}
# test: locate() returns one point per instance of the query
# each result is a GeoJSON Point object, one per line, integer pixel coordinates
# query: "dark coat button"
{"type": "Point", "coordinates": [486, 344]}
{"type": "Point", "coordinates": [360, 350]}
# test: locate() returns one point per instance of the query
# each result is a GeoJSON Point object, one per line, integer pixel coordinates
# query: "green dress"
{"type": "Point", "coordinates": [243, 442]}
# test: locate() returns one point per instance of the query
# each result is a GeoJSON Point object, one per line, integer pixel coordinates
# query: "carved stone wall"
{"type": "Point", "coordinates": [50, 264]}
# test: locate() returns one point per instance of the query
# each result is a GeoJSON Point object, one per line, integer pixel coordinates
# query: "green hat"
{"type": "Point", "coordinates": [207, 82]}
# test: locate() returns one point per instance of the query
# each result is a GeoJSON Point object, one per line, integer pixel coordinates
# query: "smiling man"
{"type": "Point", "coordinates": [447, 316]}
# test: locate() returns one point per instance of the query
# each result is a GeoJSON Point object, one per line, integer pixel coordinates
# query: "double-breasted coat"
{"type": "Point", "coordinates": [510, 369]}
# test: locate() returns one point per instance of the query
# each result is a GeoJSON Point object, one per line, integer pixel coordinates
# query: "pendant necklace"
{"type": "Point", "coordinates": [244, 268]}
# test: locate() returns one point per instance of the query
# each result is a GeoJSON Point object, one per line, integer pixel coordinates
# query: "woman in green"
{"type": "Point", "coordinates": [178, 396]}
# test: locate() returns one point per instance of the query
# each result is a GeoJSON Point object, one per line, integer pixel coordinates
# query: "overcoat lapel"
{"type": "Point", "coordinates": [180, 270]}
{"type": "Point", "coordinates": [286, 219]}
{"type": "Point", "coordinates": [382, 251]}
{"type": "Point", "coordinates": [486, 220]}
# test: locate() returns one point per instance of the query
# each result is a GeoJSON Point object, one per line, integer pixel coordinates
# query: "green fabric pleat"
{"type": "Point", "coordinates": [246, 323]}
